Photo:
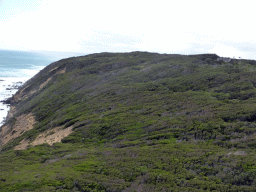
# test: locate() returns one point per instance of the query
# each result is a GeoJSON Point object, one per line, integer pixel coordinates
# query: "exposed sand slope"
{"type": "Point", "coordinates": [22, 124]}
{"type": "Point", "coordinates": [50, 136]}
{"type": "Point", "coordinates": [26, 122]}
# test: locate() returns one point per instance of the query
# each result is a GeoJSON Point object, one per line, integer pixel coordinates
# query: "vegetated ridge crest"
{"type": "Point", "coordinates": [139, 120]}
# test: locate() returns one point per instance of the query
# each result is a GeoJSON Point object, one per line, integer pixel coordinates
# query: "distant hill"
{"type": "Point", "coordinates": [134, 121]}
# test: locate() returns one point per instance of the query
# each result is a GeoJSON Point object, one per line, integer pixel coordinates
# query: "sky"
{"type": "Point", "coordinates": [222, 27]}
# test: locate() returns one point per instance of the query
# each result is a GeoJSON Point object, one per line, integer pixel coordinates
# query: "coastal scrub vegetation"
{"type": "Point", "coordinates": [141, 122]}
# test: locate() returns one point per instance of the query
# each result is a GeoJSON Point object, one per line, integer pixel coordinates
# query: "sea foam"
{"type": "Point", "coordinates": [8, 87]}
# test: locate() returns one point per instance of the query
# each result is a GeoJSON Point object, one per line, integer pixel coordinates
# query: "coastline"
{"type": "Point", "coordinates": [17, 67]}
{"type": "Point", "coordinates": [8, 87]}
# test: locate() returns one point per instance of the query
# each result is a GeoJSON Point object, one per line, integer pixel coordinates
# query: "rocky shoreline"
{"type": "Point", "coordinates": [8, 87]}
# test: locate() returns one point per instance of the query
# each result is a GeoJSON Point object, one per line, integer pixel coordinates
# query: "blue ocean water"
{"type": "Point", "coordinates": [16, 67]}
{"type": "Point", "coordinates": [27, 64]}
{"type": "Point", "coordinates": [22, 64]}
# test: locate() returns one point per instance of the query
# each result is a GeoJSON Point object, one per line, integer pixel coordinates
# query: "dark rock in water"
{"type": "Point", "coordinates": [16, 86]}
{"type": "Point", "coordinates": [6, 102]}
{"type": "Point", "coordinates": [13, 87]}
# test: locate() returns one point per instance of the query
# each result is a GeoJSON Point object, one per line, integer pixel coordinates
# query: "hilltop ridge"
{"type": "Point", "coordinates": [133, 121]}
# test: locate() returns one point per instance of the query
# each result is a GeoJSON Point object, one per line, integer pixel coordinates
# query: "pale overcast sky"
{"type": "Point", "coordinates": [182, 26]}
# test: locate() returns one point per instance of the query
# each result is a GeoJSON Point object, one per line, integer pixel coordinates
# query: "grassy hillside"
{"type": "Point", "coordinates": [141, 122]}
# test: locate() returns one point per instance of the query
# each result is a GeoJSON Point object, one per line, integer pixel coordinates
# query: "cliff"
{"type": "Point", "coordinates": [133, 121]}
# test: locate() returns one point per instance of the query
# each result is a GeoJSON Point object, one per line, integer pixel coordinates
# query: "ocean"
{"type": "Point", "coordinates": [16, 67]}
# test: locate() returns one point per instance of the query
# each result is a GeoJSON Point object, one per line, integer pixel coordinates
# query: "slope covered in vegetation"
{"type": "Point", "coordinates": [133, 122]}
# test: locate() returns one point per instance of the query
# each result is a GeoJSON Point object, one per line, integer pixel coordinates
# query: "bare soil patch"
{"type": "Point", "coordinates": [23, 123]}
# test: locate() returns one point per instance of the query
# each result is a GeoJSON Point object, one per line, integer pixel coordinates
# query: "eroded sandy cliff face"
{"type": "Point", "coordinates": [19, 123]}
{"type": "Point", "coordinates": [49, 136]}
{"type": "Point", "coordinates": [22, 124]}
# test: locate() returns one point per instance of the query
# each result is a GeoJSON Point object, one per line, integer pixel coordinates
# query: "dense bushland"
{"type": "Point", "coordinates": [142, 121]}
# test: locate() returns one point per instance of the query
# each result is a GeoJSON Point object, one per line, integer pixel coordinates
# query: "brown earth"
{"type": "Point", "coordinates": [22, 95]}
{"type": "Point", "coordinates": [22, 124]}
{"type": "Point", "coordinates": [45, 83]}
{"type": "Point", "coordinates": [50, 136]}
{"type": "Point", "coordinates": [25, 122]}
